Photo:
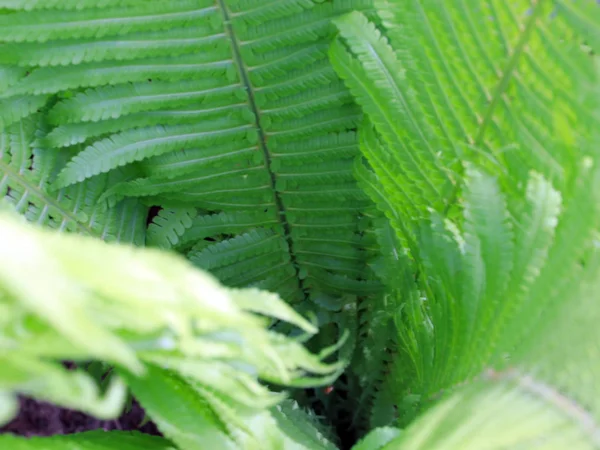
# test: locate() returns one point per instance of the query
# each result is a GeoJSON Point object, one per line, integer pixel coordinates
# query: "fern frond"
{"type": "Point", "coordinates": [500, 93]}
{"type": "Point", "coordinates": [157, 310]}
{"type": "Point", "coordinates": [273, 64]}
{"type": "Point", "coordinates": [534, 234]}
{"type": "Point", "coordinates": [372, 362]}
{"type": "Point", "coordinates": [216, 201]}
{"type": "Point", "coordinates": [377, 439]}
{"type": "Point", "coordinates": [400, 199]}
{"type": "Point", "coordinates": [135, 46]}
{"type": "Point", "coordinates": [297, 82]}
{"type": "Point", "coordinates": [129, 219]}
{"type": "Point", "coordinates": [42, 26]}
{"type": "Point", "coordinates": [541, 395]}
{"type": "Point", "coordinates": [230, 251]}
{"type": "Point", "coordinates": [257, 12]}
{"type": "Point", "coordinates": [488, 258]}
{"type": "Point", "coordinates": [325, 148]}
{"type": "Point", "coordinates": [112, 102]}
{"type": "Point", "coordinates": [302, 426]}
{"type": "Point", "coordinates": [207, 181]}
{"type": "Point", "coordinates": [52, 80]}
{"type": "Point", "coordinates": [71, 134]}
{"type": "Point", "coordinates": [375, 78]}
{"type": "Point", "coordinates": [207, 106]}
{"type": "Point", "coordinates": [234, 222]}
{"type": "Point", "coordinates": [474, 86]}
{"type": "Point", "coordinates": [292, 29]}
{"type": "Point", "coordinates": [574, 236]}
{"type": "Point", "coordinates": [136, 145]}
{"type": "Point", "coordinates": [513, 410]}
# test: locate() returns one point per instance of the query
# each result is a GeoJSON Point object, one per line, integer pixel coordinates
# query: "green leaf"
{"type": "Point", "coordinates": [504, 411]}
{"type": "Point", "coordinates": [178, 410]}
{"type": "Point", "coordinates": [485, 166]}
{"type": "Point", "coordinates": [89, 440]}
{"type": "Point", "coordinates": [226, 108]}
{"type": "Point", "coordinates": [377, 439]}
{"type": "Point", "coordinates": [365, 60]}
{"type": "Point", "coordinates": [487, 262]}
{"type": "Point", "coordinates": [157, 309]}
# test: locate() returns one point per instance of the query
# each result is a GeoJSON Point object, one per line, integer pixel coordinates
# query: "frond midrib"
{"type": "Point", "coordinates": [507, 73]}
{"type": "Point", "coordinates": [262, 139]}
{"type": "Point", "coordinates": [500, 89]}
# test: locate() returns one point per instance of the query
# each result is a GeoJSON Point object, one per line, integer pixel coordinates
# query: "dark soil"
{"type": "Point", "coordinates": [37, 418]}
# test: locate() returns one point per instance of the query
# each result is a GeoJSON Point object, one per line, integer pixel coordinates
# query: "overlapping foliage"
{"type": "Point", "coordinates": [191, 350]}
{"type": "Point", "coordinates": [469, 291]}
{"type": "Point", "coordinates": [495, 200]}
{"type": "Point", "coordinates": [227, 115]}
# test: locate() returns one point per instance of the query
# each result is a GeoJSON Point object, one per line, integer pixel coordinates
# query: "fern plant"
{"type": "Point", "coordinates": [227, 115]}
{"type": "Point", "coordinates": [222, 124]}
{"type": "Point", "coordinates": [191, 350]}
{"type": "Point", "coordinates": [438, 202]}
{"type": "Point", "coordinates": [495, 208]}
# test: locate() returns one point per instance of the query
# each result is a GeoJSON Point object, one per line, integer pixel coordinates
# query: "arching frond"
{"type": "Point", "coordinates": [227, 108]}
{"type": "Point", "coordinates": [422, 174]}
{"type": "Point", "coordinates": [190, 349]}
{"type": "Point", "coordinates": [499, 242]}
